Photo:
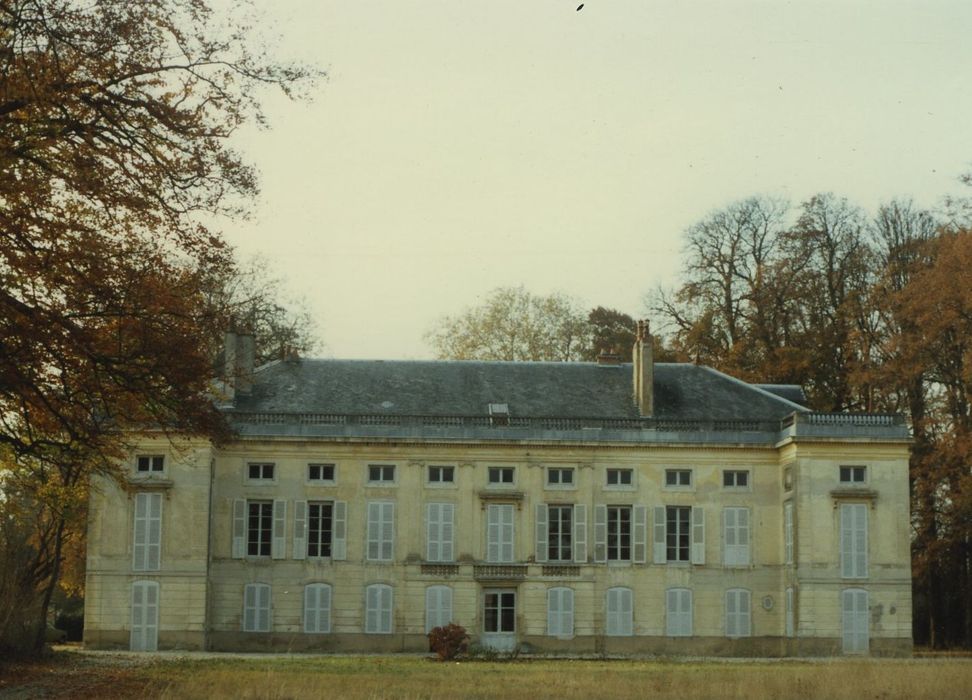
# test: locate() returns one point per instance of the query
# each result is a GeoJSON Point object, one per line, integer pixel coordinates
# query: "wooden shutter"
{"type": "Point", "coordinates": [600, 533]}
{"type": "Point", "coordinates": [154, 553]}
{"type": "Point", "coordinates": [788, 532]}
{"type": "Point", "coordinates": [860, 541]}
{"type": "Point", "coordinates": [250, 604]}
{"type": "Point", "coordinates": [447, 534]}
{"type": "Point", "coordinates": [140, 535]}
{"type": "Point", "coordinates": [278, 548]}
{"type": "Point", "coordinates": [736, 536]}
{"type": "Point", "coordinates": [339, 542]}
{"type": "Point", "coordinates": [492, 533]}
{"type": "Point", "coordinates": [660, 551]}
{"type": "Point", "coordinates": [854, 620]}
{"type": "Point", "coordinates": [432, 544]}
{"type": "Point", "coordinates": [387, 531]}
{"type": "Point", "coordinates": [639, 534]}
{"type": "Point", "coordinates": [438, 607]}
{"type": "Point", "coordinates": [508, 535]}
{"type": "Point", "coordinates": [374, 532]}
{"type": "Point", "coordinates": [263, 608]}
{"type": "Point", "coordinates": [542, 538]}
{"type": "Point", "coordinates": [626, 611]}
{"type": "Point", "coordinates": [300, 529]}
{"type": "Point", "coordinates": [580, 533]}
{"type": "Point", "coordinates": [698, 535]}
{"type": "Point", "coordinates": [239, 528]}
{"type": "Point", "coordinates": [553, 612]}
{"type": "Point", "coordinates": [613, 603]}
{"type": "Point", "coordinates": [853, 540]}
{"type": "Point", "coordinates": [790, 622]}
{"type": "Point", "coordinates": [744, 613]}
{"type": "Point", "coordinates": [317, 608]}
{"type": "Point", "coordinates": [372, 608]}
{"type": "Point", "coordinates": [732, 628]}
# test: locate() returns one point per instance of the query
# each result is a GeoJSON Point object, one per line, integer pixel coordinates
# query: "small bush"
{"type": "Point", "coordinates": [449, 641]}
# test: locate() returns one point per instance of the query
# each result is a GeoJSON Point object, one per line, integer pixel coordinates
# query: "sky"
{"type": "Point", "coordinates": [459, 146]}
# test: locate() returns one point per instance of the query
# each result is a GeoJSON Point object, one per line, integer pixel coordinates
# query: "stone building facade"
{"type": "Point", "coordinates": [554, 507]}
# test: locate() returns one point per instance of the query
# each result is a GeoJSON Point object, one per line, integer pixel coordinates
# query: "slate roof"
{"type": "Point", "coordinates": [531, 389]}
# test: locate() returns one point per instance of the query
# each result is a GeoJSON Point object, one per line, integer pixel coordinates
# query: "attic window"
{"type": "Point", "coordinates": [499, 414]}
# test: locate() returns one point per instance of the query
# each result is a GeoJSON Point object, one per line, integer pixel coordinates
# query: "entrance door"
{"type": "Point", "coordinates": [854, 620]}
{"type": "Point", "coordinates": [145, 616]}
{"type": "Point", "coordinates": [499, 619]}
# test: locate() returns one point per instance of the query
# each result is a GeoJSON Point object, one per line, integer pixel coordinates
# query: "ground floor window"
{"type": "Point", "coordinates": [378, 609]}
{"type": "Point", "coordinates": [678, 612]}
{"type": "Point", "coordinates": [854, 620]}
{"type": "Point", "coordinates": [256, 607]}
{"type": "Point", "coordinates": [145, 616]}
{"type": "Point", "coordinates": [317, 608]}
{"type": "Point", "coordinates": [438, 607]}
{"type": "Point", "coordinates": [619, 612]}
{"type": "Point", "coordinates": [499, 611]}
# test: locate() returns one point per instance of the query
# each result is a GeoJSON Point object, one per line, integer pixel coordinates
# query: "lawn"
{"type": "Point", "coordinates": [75, 675]}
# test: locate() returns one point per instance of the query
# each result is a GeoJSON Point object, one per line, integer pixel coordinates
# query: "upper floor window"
{"type": "Point", "coordinates": [620, 477]}
{"type": "Point", "coordinates": [619, 533]}
{"type": "Point", "coordinates": [147, 538]}
{"type": "Point", "coordinates": [260, 471]}
{"type": "Point", "coordinates": [320, 473]}
{"type": "Point", "coordinates": [560, 476]}
{"type": "Point", "coordinates": [501, 476]}
{"type": "Point", "coordinates": [150, 464]}
{"type": "Point", "coordinates": [442, 474]}
{"type": "Point", "coordinates": [381, 531]}
{"type": "Point", "coordinates": [788, 532]}
{"type": "Point", "coordinates": [735, 479]}
{"type": "Point", "coordinates": [678, 477]}
{"type": "Point", "coordinates": [320, 528]}
{"type": "Point", "coordinates": [853, 475]}
{"type": "Point", "coordinates": [381, 473]}
{"type": "Point", "coordinates": [853, 540]}
{"type": "Point", "coordinates": [677, 532]}
{"type": "Point", "coordinates": [259, 528]}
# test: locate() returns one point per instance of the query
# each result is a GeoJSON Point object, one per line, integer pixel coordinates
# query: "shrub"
{"type": "Point", "coordinates": [449, 641]}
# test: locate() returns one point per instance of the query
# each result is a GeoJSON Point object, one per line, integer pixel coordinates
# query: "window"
{"type": "Point", "coordinates": [735, 479]}
{"type": "Point", "coordinates": [619, 612]}
{"type": "Point", "coordinates": [381, 530]}
{"type": "Point", "coordinates": [853, 475]}
{"type": "Point", "coordinates": [560, 612]}
{"type": "Point", "coordinates": [854, 620]}
{"type": "Point", "coordinates": [738, 618]}
{"type": "Point", "coordinates": [499, 611]}
{"type": "Point", "coordinates": [256, 607]}
{"type": "Point", "coordinates": [853, 540]}
{"type": "Point", "coordinates": [619, 533]}
{"type": "Point", "coordinates": [320, 528]}
{"type": "Point", "coordinates": [559, 531]}
{"type": "Point", "coordinates": [439, 532]}
{"type": "Point", "coordinates": [788, 532]}
{"type": "Point", "coordinates": [619, 477]}
{"type": "Point", "coordinates": [378, 609]}
{"type": "Point", "coordinates": [381, 473]}
{"type": "Point", "coordinates": [736, 536]}
{"type": "Point", "coordinates": [499, 532]}
{"type": "Point", "coordinates": [677, 534]}
{"type": "Point", "coordinates": [678, 612]}
{"type": "Point", "coordinates": [442, 475]}
{"type": "Point", "coordinates": [678, 477]}
{"type": "Point", "coordinates": [317, 608]}
{"type": "Point", "coordinates": [147, 538]}
{"type": "Point", "coordinates": [501, 475]}
{"type": "Point", "coordinates": [150, 464]}
{"type": "Point", "coordinates": [320, 473]}
{"type": "Point", "coordinates": [790, 613]}
{"type": "Point", "coordinates": [438, 607]}
{"type": "Point", "coordinates": [560, 477]}
{"type": "Point", "coordinates": [260, 471]}
{"type": "Point", "coordinates": [259, 528]}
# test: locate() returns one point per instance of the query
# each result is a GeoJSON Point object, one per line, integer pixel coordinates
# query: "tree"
{"type": "Point", "coordinates": [114, 117]}
{"type": "Point", "coordinates": [612, 332]}
{"type": "Point", "coordinates": [512, 324]}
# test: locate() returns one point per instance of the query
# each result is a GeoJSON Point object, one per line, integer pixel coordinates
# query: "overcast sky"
{"type": "Point", "coordinates": [458, 146]}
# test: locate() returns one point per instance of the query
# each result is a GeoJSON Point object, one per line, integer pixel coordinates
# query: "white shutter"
{"type": "Point", "coordinates": [580, 534]}
{"type": "Point", "coordinates": [860, 541]}
{"type": "Point", "coordinates": [300, 529]}
{"type": "Point", "coordinates": [788, 532]}
{"type": "Point", "coordinates": [737, 613]}
{"type": "Point", "coordinates": [678, 612]}
{"type": "Point", "coordinates": [439, 529]}
{"type": "Point", "coordinates": [386, 610]}
{"type": "Point", "coordinates": [553, 612]}
{"type": "Point", "coordinates": [619, 612]}
{"type": "Point", "coordinates": [698, 535]}
{"type": "Point", "coordinates": [600, 533]}
{"type": "Point", "coordinates": [627, 612]}
{"type": "Point", "coordinates": [492, 533]}
{"type": "Point", "coordinates": [145, 616]}
{"type": "Point", "coordinates": [736, 536]}
{"type": "Point", "coordinates": [438, 607]}
{"type": "Point", "coordinates": [731, 621]}
{"type": "Point", "coordinates": [374, 533]}
{"type": "Point", "coordinates": [387, 531]}
{"type": "Point", "coordinates": [744, 612]}
{"type": "Point", "coordinates": [249, 607]}
{"type": "Point", "coordinates": [660, 553]}
{"type": "Point", "coordinates": [790, 622]}
{"type": "Point", "coordinates": [239, 528]}
{"type": "Point", "coordinates": [139, 536]}
{"type": "Point", "coordinates": [432, 547]}
{"type": "Point", "coordinates": [446, 535]}
{"type": "Point", "coordinates": [153, 555]}
{"type": "Point", "coordinates": [542, 538]}
{"type": "Point", "coordinates": [560, 612]}
{"type": "Point", "coordinates": [854, 620]}
{"type": "Point", "coordinates": [339, 542]}
{"type": "Point", "coordinates": [507, 549]}
{"type": "Point", "coordinates": [640, 535]}
{"type": "Point", "coordinates": [372, 608]}
{"type": "Point", "coordinates": [263, 608]}
{"type": "Point", "coordinates": [317, 608]}
{"type": "Point", "coordinates": [278, 549]}
{"type": "Point", "coordinates": [853, 540]}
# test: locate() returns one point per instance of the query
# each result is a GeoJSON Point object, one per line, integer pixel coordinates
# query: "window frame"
{"type": "Point", "coordinates": [733, 558]}
{"type": "Point", "coordinates": [501, 541]}
{"type": "Point", "coordinates": [439, 589]}
{"type": "Point", "coordinates": [560, 485]}
{"type": "Point", "coordinates": [384, 538]}
{"type": "Point", "coordinates": [852, 470]}
{"type": "Point", "coordinates": [560, 534]}
{"type": "Point", "coordinates": [678, 473]}
{"type": "Point", "coordinates": [442, 470]}
{"type": "Point", "coordinates": [381, 482]}
{"type": "Point", "coordinates": [677, 533]}
{"type": "Point", "coordinates": [262, 503]}
{"type": "Point", "coordinates": [500, 484]}
{"type": "Point", "coordinates": [330, 530]}
{"type": "Point", "coordinates": [322, 481]}
{"type": "Point", "coordinates": [619, 536]}
{"type": "Point", "coordinates": [623, 617]}
{"type": "Point", "coordinates": [441, 542]}
{"type": "Point", "coordinates": [151, 457]}
{"type": "Point", "coordinates": [739, 617]}
{"type": "Point", "coordinates": [630, 486]}
{"type": "Point", "coordinates": [558, 616]}
{"type": "Point", "coordinates": [385, 620]}
{"type": "Point", "coordinates": [735, 474]}
{"type": "Point", "coordinates": [260, 480]}
{"type": "Point", "coordinates": [675, 620]}
{"type": "Point", "coordinates": [500, 608]}
{"type": "Point", "coordinates": [316, 628]}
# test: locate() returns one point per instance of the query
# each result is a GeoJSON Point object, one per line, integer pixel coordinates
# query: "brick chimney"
{"type": "Point", "coordinates": [643, 374]}
{"type": "Point", "coordinates": [239, 353]}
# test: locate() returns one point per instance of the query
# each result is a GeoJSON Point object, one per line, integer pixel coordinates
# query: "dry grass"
{"type": "Point", "coordinates": [410, 677]}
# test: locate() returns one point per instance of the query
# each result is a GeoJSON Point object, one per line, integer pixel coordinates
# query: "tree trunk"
{"type": "Point", "coordinates": [51, 585]}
